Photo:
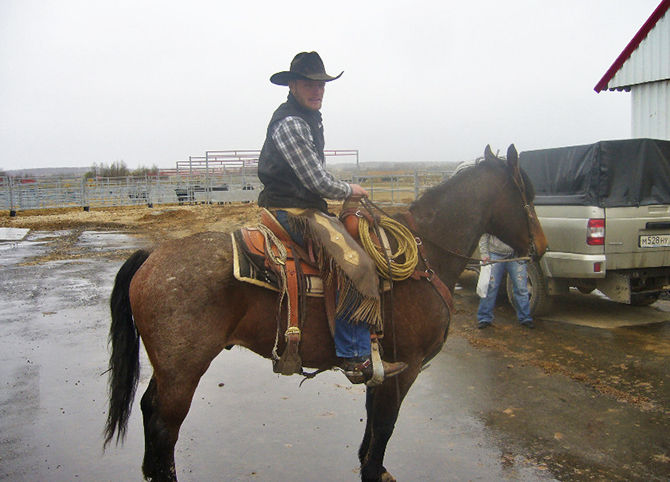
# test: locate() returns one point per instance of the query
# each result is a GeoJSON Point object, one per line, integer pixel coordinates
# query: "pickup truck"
{"type": "Point", "coordinates": [605, 210]}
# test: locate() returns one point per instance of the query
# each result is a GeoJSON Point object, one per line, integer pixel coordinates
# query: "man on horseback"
{"type": "Point", "coordinates": [296, 186]}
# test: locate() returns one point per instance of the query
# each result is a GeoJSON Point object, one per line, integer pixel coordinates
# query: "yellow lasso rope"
{"type": "Point", "coordinates": [399, 270]}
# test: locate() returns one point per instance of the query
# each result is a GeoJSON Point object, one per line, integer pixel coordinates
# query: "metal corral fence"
{"type": "Point", "coordinates": [398, 188]}
{"type": "Point", "coordinates": [20, 194]}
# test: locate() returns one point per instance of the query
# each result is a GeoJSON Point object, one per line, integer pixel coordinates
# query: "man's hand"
{"type": "Point", "coordinates": [357, 192]}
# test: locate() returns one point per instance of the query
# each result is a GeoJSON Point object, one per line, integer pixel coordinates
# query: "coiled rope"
{"type": "Point", "coordinates": [396, 266]}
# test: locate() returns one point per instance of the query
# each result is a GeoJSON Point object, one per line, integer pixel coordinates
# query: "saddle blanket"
{"type": "Point", "coordinates": [250, 268]}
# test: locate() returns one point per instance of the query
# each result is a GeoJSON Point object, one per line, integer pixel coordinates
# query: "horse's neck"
{"type": "Point", "coordinates": [451, 231]}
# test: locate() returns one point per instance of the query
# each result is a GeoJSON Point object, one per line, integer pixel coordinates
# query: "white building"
{"type": "Point", "coordinates": [643, 69]}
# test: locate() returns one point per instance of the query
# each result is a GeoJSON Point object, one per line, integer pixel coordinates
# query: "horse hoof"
{"type": "Point", "coordinates": [386, 477]}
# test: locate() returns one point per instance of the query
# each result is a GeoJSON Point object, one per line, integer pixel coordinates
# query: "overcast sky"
{"type": "Point", "coordinates": [152, 82]}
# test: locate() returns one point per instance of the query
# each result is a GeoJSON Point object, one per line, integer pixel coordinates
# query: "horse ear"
{"type": "Point", "coordinates": [512, 156]}
{"type": "Point", "coordinates": [488, 153]}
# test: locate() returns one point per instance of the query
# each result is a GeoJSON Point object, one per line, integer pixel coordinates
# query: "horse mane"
{"type": "Point", "coordinates": [466, 167]}
{"type": "Point", "coordinates": [530, 190]}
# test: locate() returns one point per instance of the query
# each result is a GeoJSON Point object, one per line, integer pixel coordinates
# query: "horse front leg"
{"type": "Point", "coordinates": [367, 436]}
{"type": "Point", "coordinates": [382, 406]}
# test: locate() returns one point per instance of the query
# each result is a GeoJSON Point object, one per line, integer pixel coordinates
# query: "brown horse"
{"type": "Point", "coordinates": [185, 304]}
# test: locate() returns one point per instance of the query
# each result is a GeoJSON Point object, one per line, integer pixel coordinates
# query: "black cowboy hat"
{"type": "Point", "coordinates": [305, 65]}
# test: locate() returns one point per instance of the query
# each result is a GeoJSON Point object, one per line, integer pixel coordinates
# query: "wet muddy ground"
{"type": "Point", "coordinates": [584, 396]}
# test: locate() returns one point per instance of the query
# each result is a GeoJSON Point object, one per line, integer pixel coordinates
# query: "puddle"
{"type": "Point", "coordinates": [47, 235]}
{"type": "Point", "coordinates": [13, 234]}
{"type": "Point", "coordinates": [106, 241]}
{"type": "Point", "coordinates": [12, 253]}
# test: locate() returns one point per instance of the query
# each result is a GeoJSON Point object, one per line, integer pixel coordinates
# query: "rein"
{"type": "Point", "coordinates": [532, 250]}
{"type": "Point", "coordinates": [411, 224]}
{"type": "Point", "coordinates": [429, 273]}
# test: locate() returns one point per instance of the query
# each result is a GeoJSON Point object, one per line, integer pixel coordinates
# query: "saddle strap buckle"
{"type": "Point", "coordinates": [292, 333]}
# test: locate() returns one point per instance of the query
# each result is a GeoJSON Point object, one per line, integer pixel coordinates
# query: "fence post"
{"type": "Point", "coordinates": [12, 211]}
{"type": "Point", "coordinates": [416, 184]}
{"type": "Point", "coordinates": [84, 195]}
{"type": "Point", "coordinates": [148, 189]}
{"type": "Point", "coordinates": [208, 182]}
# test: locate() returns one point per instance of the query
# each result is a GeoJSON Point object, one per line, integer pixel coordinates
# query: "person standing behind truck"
{"type": "Point", "coordinates": [493, 249]}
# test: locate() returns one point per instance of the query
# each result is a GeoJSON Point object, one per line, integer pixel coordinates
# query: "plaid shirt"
{"type": "Point", "coordinates": [293, 139]}
{"type": "Point", "coordinates": [488, 244]}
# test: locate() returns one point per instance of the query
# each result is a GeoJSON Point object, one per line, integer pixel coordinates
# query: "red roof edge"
{"type": "Point", "coordinates": [633, 44]}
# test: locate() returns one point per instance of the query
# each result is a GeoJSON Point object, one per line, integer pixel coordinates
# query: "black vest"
{"type": "Point", "coordinates": [282, 188]}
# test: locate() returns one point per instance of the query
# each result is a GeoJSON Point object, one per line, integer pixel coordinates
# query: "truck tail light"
{"type": "Point", "coordinates": [595, 232]}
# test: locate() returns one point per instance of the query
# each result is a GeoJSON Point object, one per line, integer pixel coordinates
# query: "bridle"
{"type": "Point", "coordinates": [517, 177]}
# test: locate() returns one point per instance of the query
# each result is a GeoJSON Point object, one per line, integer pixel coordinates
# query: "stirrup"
{"type": "Point", "coordinates": [377, 365]}
{"type": "Point", "coordinates": [362, 370]}
{"type": "Point", "coordinates": [356, 370]}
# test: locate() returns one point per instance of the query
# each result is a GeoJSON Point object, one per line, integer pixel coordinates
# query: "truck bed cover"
{"type": "Point", "coordinates": [631, 172]}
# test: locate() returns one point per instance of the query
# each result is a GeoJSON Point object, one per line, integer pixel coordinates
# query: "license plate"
{"type": "Point", "coordinates": [654, 240]}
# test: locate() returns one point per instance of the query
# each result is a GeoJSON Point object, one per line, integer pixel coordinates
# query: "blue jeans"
{"type": "Point", "coordinates": [351, 339]}
{"type": "Point", "coordinates": [517, 273]}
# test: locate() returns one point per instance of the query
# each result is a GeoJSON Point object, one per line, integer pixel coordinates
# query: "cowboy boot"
{"type": "Point", "coordinates": [359, 369]}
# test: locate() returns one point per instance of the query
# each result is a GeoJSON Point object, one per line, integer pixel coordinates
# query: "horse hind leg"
{"type": "Point", "coordinates": [158, 464]}
{"type": "Point", "coordinates": [164, 408]}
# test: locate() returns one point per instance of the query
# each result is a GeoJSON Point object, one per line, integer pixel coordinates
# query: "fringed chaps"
{"type": "Point", "coordinates": [337, 252]}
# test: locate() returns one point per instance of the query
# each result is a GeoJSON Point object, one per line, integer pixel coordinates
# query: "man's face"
{"type": "Point", "coordinates": [308, 93]}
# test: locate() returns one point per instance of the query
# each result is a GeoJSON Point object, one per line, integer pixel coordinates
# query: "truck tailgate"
{"type": "Point", "coordinates": [637, 237]}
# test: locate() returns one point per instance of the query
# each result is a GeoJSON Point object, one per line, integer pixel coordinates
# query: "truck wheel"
{"type": "Point", "coordinates": [643, 299]}
{"type": "Point", "coordinates": [537, 289]}
{"type": "Point", "coordinates": [585, 290]}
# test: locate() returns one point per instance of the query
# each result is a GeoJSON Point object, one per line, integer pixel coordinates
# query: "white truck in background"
{"type": "Point", "coordinates": [605, 210]}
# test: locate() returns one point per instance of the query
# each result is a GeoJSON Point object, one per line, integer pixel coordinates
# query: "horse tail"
{"type": "Point", "coordinates": [124, 361]}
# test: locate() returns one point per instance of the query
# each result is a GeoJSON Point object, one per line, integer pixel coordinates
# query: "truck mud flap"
{"type": "Point", "coordinates": [616, 287]}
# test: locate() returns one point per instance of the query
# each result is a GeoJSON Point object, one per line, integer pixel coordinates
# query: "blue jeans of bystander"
{"type": "Point", "coordinates": [517, 272]}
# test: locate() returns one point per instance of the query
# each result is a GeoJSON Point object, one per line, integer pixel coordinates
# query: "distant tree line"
{"type": "Point", "coordinates": [119, 169]}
